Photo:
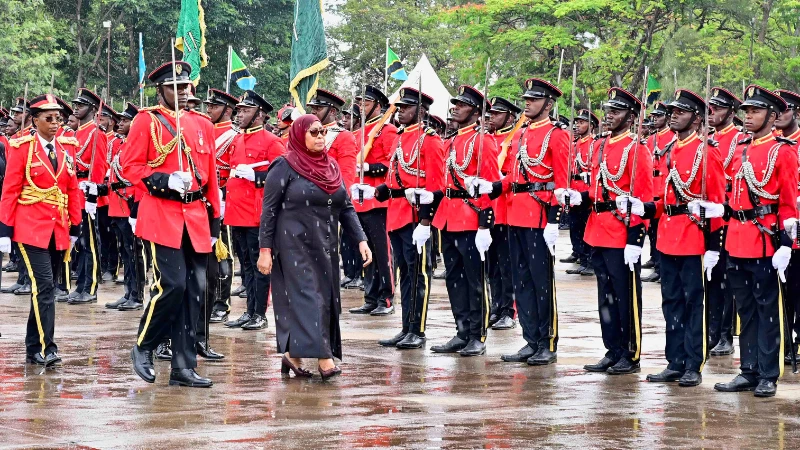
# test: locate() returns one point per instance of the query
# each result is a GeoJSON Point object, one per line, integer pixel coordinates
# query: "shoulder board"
{"type": "Point", "coordinates": [785, 140]}
{"type": "Point", "coordinates": [21, 140]}
{"type": "Point", "coordinates": [401, 129]}
{"type": "Point", "coordinates": [430, 131]}
{"type": "Point", "coordinates": [713, 143]}
{"type": "Point", "coordinates": [69, 140]}
{"type": "Point", "coordinates": [336, 129]}
{"type": "Point", "coordinates": [746, 140]}
{"type": "Point", "coordinates": [558, 124]}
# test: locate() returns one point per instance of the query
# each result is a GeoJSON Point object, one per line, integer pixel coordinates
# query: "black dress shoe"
{"type": "Point", "coordinates": [83, 299]}
{"type": "Point", "coordinates": [652, 278]}
{"type": "Point", "coordinates": [143, 364]}
{"type": "Point", "coordinates": [366, 308]}
{"type": "Point", "coordinates": [115, 305]}
{"type": "Point", "coordinates": [52, 359]}
{"type": "Point", "coordinates": [522, 355]}
{"type": "Point", "coordinates": [600, 366]}
{"type": "Point", "coordinates": [505, 323]}
{"type": "Point", "coordinates": [690, 378]}
{"type": "Point", "coordinates": [24, 290]}
{"type": "Point", "coordinates": [412, 341]}
{"type": "Point", "coordinates": [724, 347]}
{"type": "Point", "coordinates": [666, 376]}
{"type": "Point", "coordinates": [473, 348]}
{"type": "Point", "coordinates": [344, 281]}
{"type": "Point", "coordinates": [257, 322]}
{"type": "Point", "coordinates": [130, 305]}
{"type": "Point", "coordinates": [238, 290]}
{"type": "Point", "coordinates": [392, 341]}
{"type": "Point", "coordinates": [243, 319]}
{"type": "Point", "coordinates": [588, 271]}
{"type": "Point", "coordinates": [218, 316]}
{"type": "Point", "coordinates": [576, 271]}
{"type": "Point", "coordinates": [649, 264]}
{"type": "Point", "coordinates": [189, 378]}
{"type": "Point", "coordinates": [243, 294]}
{"type": "Point", "coordinates": [624, 367]}
{"type": "Point", "coordinates": [766, 388]}
{"type": "Point", "coordinates": [439, 275]}
{"type": "Point", "coordinates": [237, 273]}
{"type": "Point", "coordinates": [738, 384]}
{"type": "Point", "coordinates": [10, 289]}
{"type": "Point", "coordinates": [543, 357]}
{"type": "Point", "coordinates": [119, 281]}
{"type": "Point", "coordinates": [569, 259]}
{"type": "Point", "coordinates": [493, 318]}
{"type": "Point", "coordinates": [37, 359]}
{"type": "Point", "coordinates": [355, 283]}
{"type": "Point", "coordinates": [452, 346]}
{"type": "Point", "coordinates": [382, 310]}
{"type": "Point", "coordinates": [11, 266]}
{"type": "Point", "coordinates": [107, 276]}
{"type": "Point", "coordinates": [63, 297]}
{"type": "Point", "coordinates": [163, 352]}
{"type": "Point", "coordinates": [207, 352]}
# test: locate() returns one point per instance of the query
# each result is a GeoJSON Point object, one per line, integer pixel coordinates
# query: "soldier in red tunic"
{"type": "Point", "coordinates": [109, 257]}
{"type": "Point", "coordinates": [40, 212]}
{"type": "Point", "coordinates": [761, 231]}
{"type": "Point", "coordinates": [584, 146]}
{"type": "Point", "coordinates": [178, 218]}
{"type": "Point", "coordinates": [250, 155]}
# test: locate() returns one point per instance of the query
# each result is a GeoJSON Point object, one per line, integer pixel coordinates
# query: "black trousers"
{"type": "Point", "coordinates": [652, 233]}
{"type": "Point", "coordinates": [619, 301]}
{"type": "Point", "coordinates": [757, 291]}
{"type": "Point", "coordinates": [352, 263]}
{"type": "Point", "coordinates": [436, 246]}
{"type": "Point", "coordinates": [465, 277]}
{"type": "Point", "coordinates": [721, 306]}
{"type": "Point", "coordinates": [42, 264]}
{"type": "Point", "coordinates": [23, 277]}
{"type": "Point", "coordinates": [578, 217]}
{"type": "Point", "coordinates": [683, 304]}
{"type": "Point", "coordinates": [416, 274]}
{"type": "Point", "coordinates": [109, 252]}
{"type": "Point", "coordinates": [88, 256]}
{"type": "Point", "coordinates": [174, 306]}
{"type": "Point", "coordinates": [500, 278]}
{"type": "Point", "coordinates": [240, 252]}
{"type": "Point", "coordinates": [378, 276]}
{"type": "Point", "coordinates": [221, 287]}
{"type": "Point", "coordinates": [131, 256]}
{"type": "Point", "coordinates": [793, 294]}
{"type": "Point", "coordinates": [257, 283]}
{"type": "Point", "coordinates": [534, 287]}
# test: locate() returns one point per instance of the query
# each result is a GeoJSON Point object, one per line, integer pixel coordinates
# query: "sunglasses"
{"type": "Point", "coordinates": [51, 119]}
{"type": "Point", "coordinates": [318, 131]}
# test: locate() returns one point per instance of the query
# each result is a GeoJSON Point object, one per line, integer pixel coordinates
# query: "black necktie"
{"type": "Point", "coordinates": [51, 153]}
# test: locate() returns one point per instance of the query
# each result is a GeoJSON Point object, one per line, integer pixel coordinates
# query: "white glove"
{"type": "Point", "coordinates": [178, 181]}
{"type": "Point", "coordinates": [108, 173]}
{"type": "Point", "coordinates": [425, 197]}
{"type": "Point", "coordinates": [632, 255]}
{"type": "Point", "coordinates": [246, 172]}
{"type": "Point", "coordinates": [780, 261]}
{"type": "Point", "coordinates": [420, 236]}
{"type": "Point", "coordinates": [91, 209]}
{"type": "Point", "coordinates": [473, 183]}
{"type": "Point", "coordinates": [571, 195]}
{"type": "Point", "coordinates": [82, 185]}
{"type": "Point", "coordinates": [132, 221]}
{"type": "Point", "coordinates": [637, 207]}
{"type": "Point", "coordinates": [73, 240]}
{"type": "Point", "coordinates": [586, 177]}
{"type": "Point", "coordinates": [550, 236]}
{"type": "Point", "coordinates": [712, 210]}
{"type": "Point", "coordinates": [367, 190]}
{"type": "Point", "coordinates": [790, 225]}
{"type": "Point", "coordinates": [362, 168]}
{"type": "Point", "coordinates": [213, 240]}
{"type": "Point", "coordinates": [5, 245]}
{"type": "Point", "coordinates": [90, 187]}
{"type": "Point", "coordinates": [710, 260]}
{"type": "Point", "coordinates": [221, 209]}
{"type": "Point", "coordinates": [483, 239]}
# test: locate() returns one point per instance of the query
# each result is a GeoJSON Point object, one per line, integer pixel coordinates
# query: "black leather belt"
{"type": "Point", "coordinates": [532, 187]}
{"type": "Point", "coordinates": [119, 185]}
{"type": "Point", "coordinates": [656, 173]}
{"type": "Point", "coordinates": [604, 206]}
{"type": "Point", "coordinates": [728, 186]}
{"type": "Point", "coordinates": [82, 174]}
{"type": "Point", "coordinates": [456, 193]}
{"type": "Point", "coordinates": [189, 197]}
{"type": "Point", "coordinates": [577, 177]}
{"type": "Point", "coordinates": [397, 193]}
{"type": "Point", "coordinates": [758, 212]}
{"type": "Point", "coordinates": [676, 210]}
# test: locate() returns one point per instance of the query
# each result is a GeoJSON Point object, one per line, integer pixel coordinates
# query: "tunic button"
{"type": "Point", "coordinates": [330, 201]}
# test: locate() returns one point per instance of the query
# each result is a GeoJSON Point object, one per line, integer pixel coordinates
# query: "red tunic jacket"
{"type": "Point", "coordinates": [500, 208]}
{"type": "Point", "coordinates": [244, 197]}
{"type": "Point", "coordinates": [378, 159]}
{"type": "Point", "coordinates": [341, 146]}
{"type": "Point", "coordinates": [90, 137]}
{"type": "Point", "coordinates": [583, 151]}
{"type": "Point", "coordinates": [223, 137]}
{"type": "Point", "coordinates": [678, 234]}
{"type": "Point", "coordinates": [604, 229]}
{"type": "Point", "coordinates": [117, 198]}
{"type": "Point", "coordinates": [162, 220]}
{"type": "Point", "coordinates": [657, 143]}
{"type": "Point", "coordinates": [29, 211]}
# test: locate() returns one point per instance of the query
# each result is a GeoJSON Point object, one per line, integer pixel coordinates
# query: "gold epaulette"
{"type": "Point", "coordinates": [430, 131]}
{"type": "Point", "coordinates": [69, 140]}
{"type": "Point", "coordinates": [20, 140]}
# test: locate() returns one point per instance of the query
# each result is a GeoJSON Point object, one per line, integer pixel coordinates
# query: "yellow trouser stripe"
{"type": "Point", "coordinates": [636, 325]}
{"type": "Point", "coordinates": [486, 305]}
{"type": "Point", "coordinates": [705, 301]}
{"type": "Point", "coordinates": [93, 290]}
{"type": "Point", "coordinates": [67, 272]}
{"type": "Point", "coordinates": [34, 295]}
{"type": "Point", "coordinates": [780, 322]}
{"type": "Point", "coordinates": [157, 285]}
{"type": "Point", "coordinates": [427, 289]}
{"type": "Point", "coordinates": [554, 315]}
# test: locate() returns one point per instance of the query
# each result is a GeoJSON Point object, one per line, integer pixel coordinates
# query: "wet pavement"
{"type": "Point", "coordinates": [384, 399]}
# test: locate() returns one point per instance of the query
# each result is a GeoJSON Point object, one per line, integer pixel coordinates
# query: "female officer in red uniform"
{"type": "Point", "coordinates": [39, 212]}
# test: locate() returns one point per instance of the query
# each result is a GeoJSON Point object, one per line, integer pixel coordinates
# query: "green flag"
{"type": "Point", "coordinates": [239, 73]}
{"type": "Point", "coordinates": [394, 67]}
{"type": "Point", "coordinates": [191, 36]}
{"type": "Point", "coordinates": [309, 51]}
{"type": "Point", "coordinates": [653, 89]}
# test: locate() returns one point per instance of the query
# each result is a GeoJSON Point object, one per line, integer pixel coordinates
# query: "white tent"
{"type": "Point", "coordinates": [431, 85]}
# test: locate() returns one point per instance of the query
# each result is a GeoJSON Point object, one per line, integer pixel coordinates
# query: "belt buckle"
{"type": "Point", "coordinates": [447, 193]}
{"type": "Point", "coordinates": [741, 216]}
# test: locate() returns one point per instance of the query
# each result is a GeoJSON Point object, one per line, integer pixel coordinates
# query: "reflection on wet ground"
{"type": "Point", "coordinates": [385, 398]}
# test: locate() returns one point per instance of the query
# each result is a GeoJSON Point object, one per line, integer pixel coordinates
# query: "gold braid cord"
{"type": "Point", "coordinates": [33, 194]}
{"type": "Point", "coordinates": [220, 250]}
{"type": "Point", "coordinates": [165, 149]}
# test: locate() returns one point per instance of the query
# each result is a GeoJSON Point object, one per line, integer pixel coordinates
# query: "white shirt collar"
{"type": "Point", "coordinates": [44, 142]}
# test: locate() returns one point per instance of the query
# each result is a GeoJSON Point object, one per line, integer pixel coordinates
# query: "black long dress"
{"type": "Point", "coordinates": [299, 222]}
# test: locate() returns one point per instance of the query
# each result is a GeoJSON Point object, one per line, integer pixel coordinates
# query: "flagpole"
{"type": "Point", "coordinates": [141, 78]}
{"type": "Point", "coordinates": [386, 68]}
{"type": "Point", "coordinates": [228, 78]}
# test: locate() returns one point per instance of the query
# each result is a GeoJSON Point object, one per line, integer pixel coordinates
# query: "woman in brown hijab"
{"type": "Point", "coordinates": [304, 204]}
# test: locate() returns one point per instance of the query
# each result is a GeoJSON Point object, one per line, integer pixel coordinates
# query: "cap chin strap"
{"type": "Point", "coordinates": [622, 123]}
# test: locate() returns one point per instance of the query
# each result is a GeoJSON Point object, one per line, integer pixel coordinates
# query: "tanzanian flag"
{"type": "Point", "coordinates": [394, 68]}
{"type": "Point", "coordinates": [240, 74]}
{"type": "Point", "coordinates": [653, 89]}
{"type": "Point", "coordinates": [191, 36]}
{"type": "Point", "coordinates": [309, 51]}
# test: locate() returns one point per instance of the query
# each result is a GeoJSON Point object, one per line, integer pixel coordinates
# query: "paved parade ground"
{"type": "Point", "coordinates": [384, 399]}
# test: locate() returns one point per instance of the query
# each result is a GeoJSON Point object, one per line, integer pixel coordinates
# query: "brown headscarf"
{"type": "Point", "coordinates": [314, 166]}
